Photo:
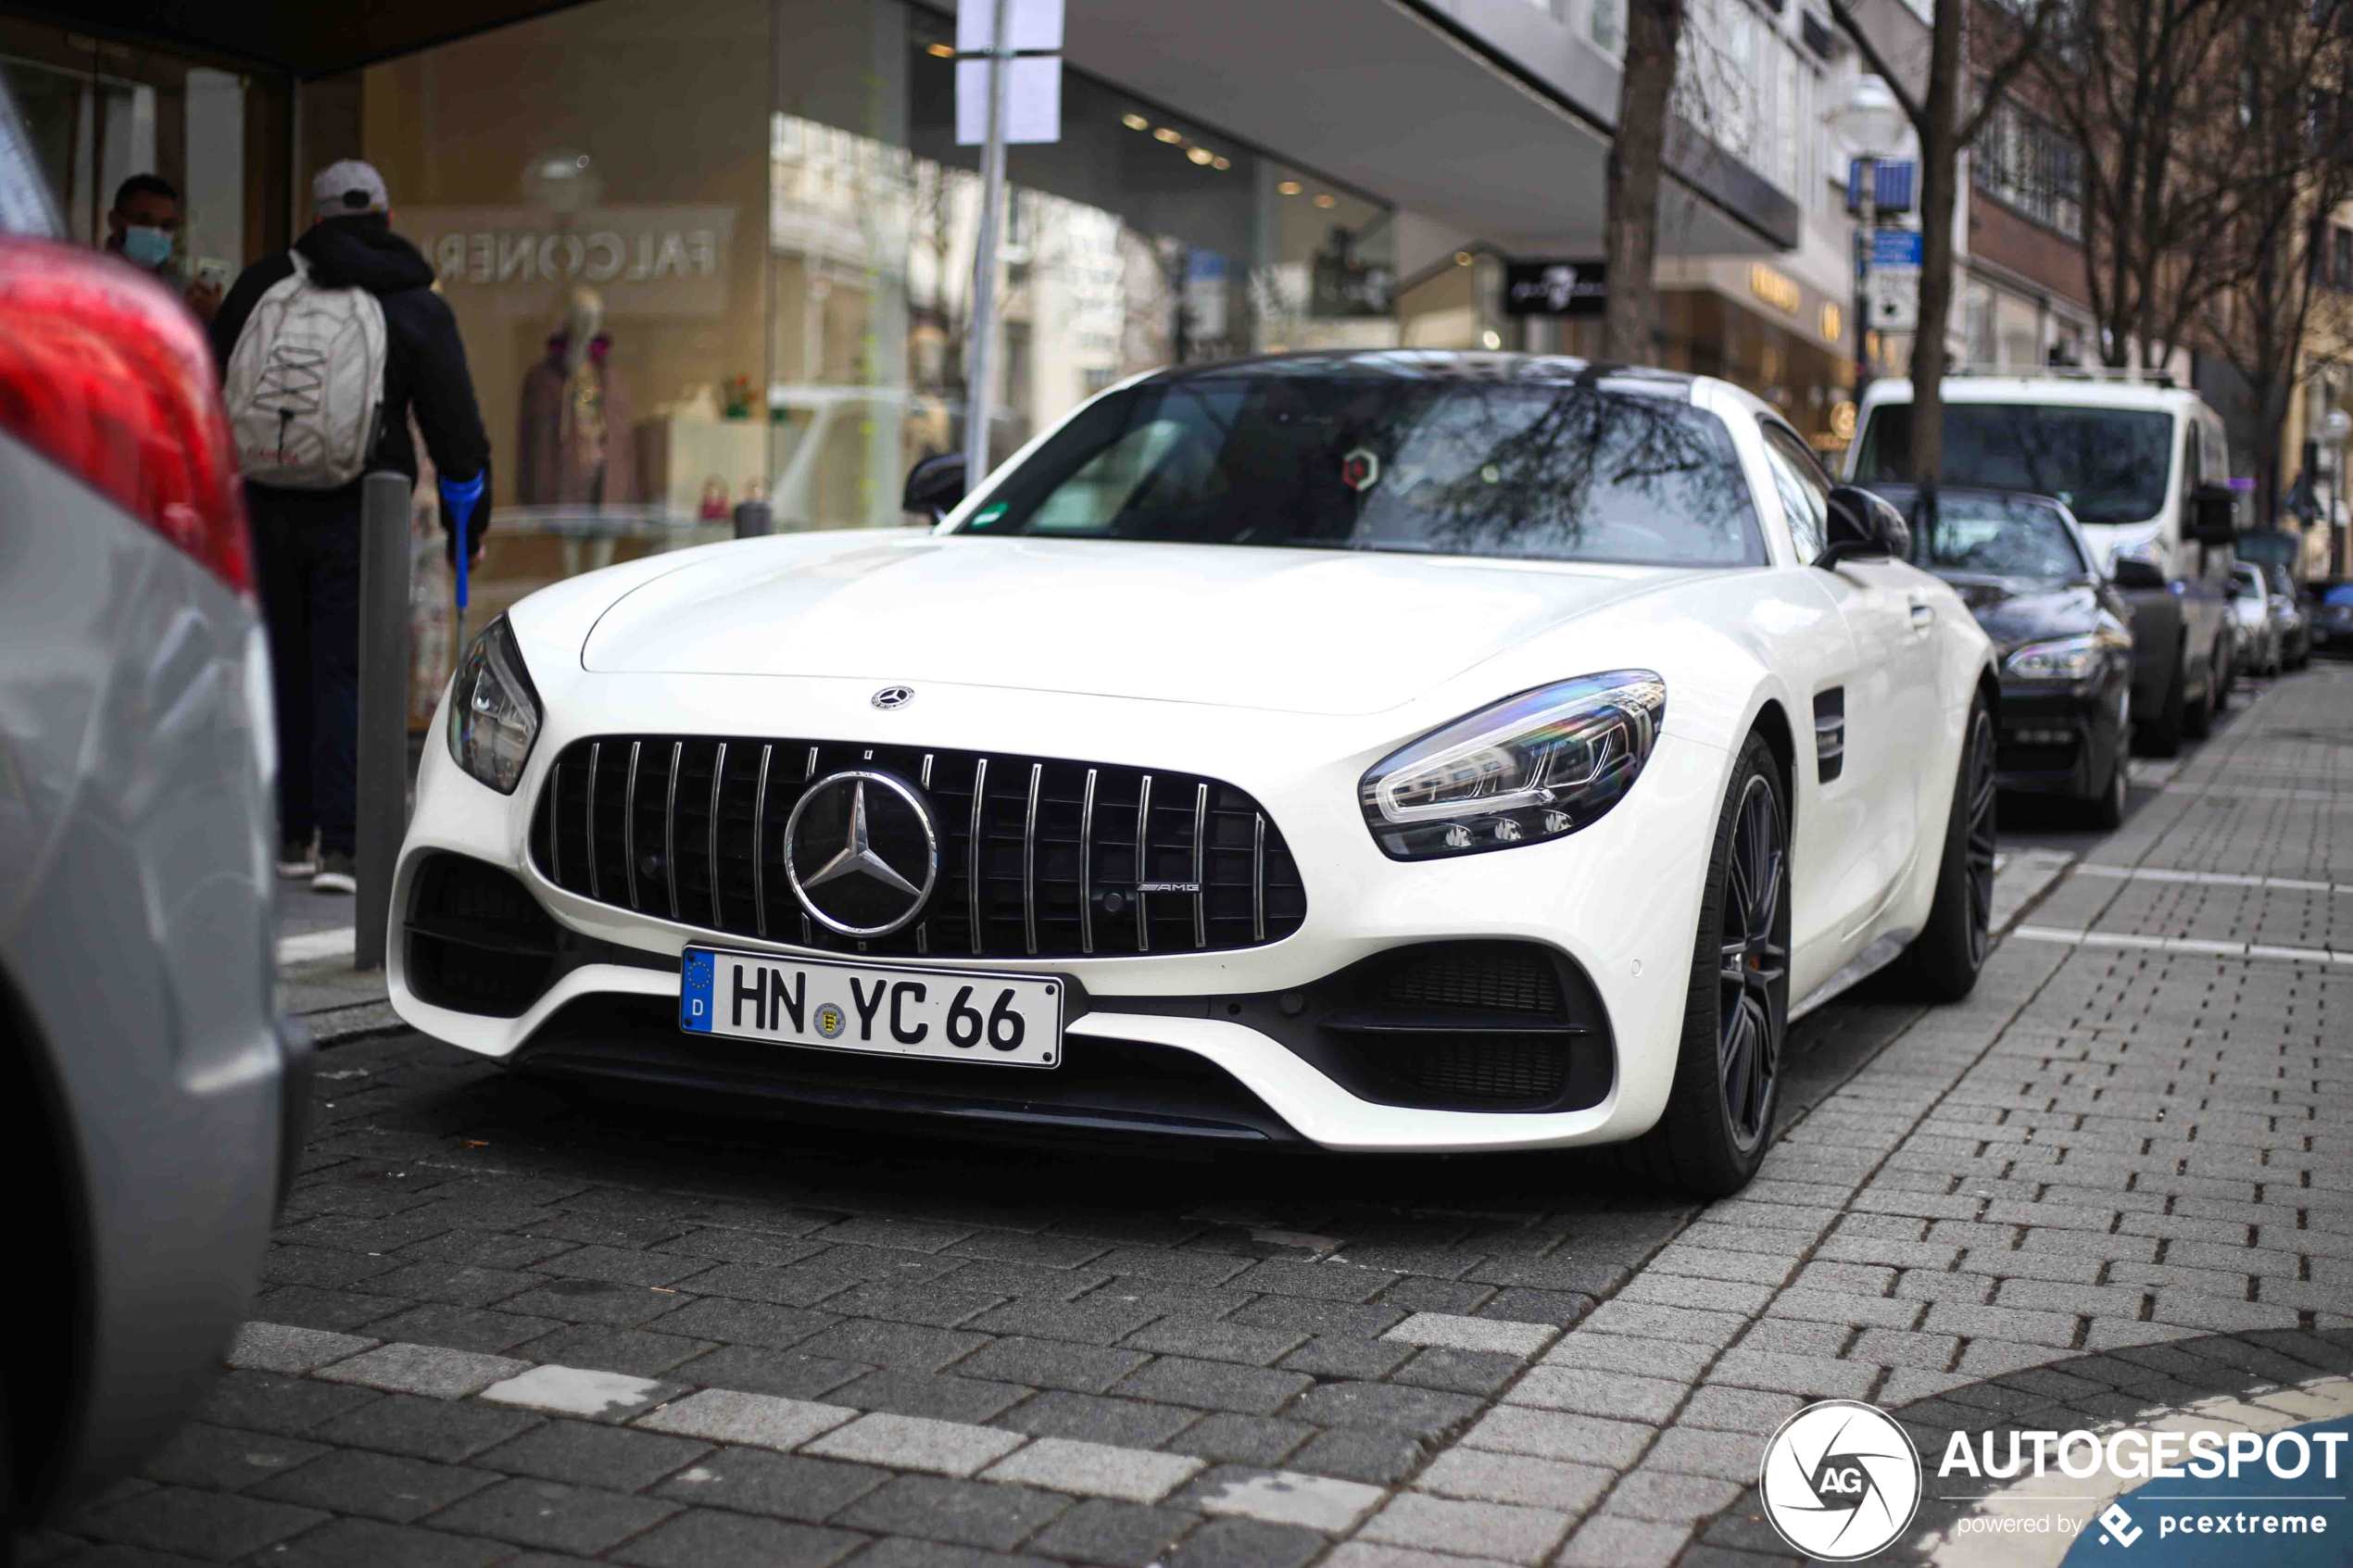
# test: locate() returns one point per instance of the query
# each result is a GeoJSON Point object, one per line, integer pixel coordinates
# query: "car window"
{"type": "Point", "coordinates": [1381, 455]}
{"type": "Point", "coordinates": [1995, 535]}
{"type": "Point", "coordinates": [2245, 583]}
{"type": "Point", "coordinates": [1806, 493]}
{"type": "Point", "coordinates": [2108, 465]}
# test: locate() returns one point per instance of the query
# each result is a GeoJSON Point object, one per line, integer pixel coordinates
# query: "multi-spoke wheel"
{"type": "Point", "coordinates": [1945, 959]}
{"type": "Point", "coordinates": [1728, 1072]}
{"type": "Point", "coordinates": [1753, 981]}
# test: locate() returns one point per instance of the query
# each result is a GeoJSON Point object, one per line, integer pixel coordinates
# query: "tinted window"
{"type": "Point", "coordinates": [2108, 465]}
{"type": "Point", "coordinates": [1313, 455]}
{"type": "Point", "coordinates": [1805, 494]}
{"type": "Point", "coordinates": [1998, 535]}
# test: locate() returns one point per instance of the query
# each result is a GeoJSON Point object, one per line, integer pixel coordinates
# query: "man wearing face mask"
{"type": "Point", "coordinates": [143, 228]}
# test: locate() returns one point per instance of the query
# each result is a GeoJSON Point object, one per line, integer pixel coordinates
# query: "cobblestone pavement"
{"type": "Point", "coordinates": [501, 1325]}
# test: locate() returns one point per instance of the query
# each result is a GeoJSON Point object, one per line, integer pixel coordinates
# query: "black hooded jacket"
{"type": "Point", "coordinates": [424, 361]}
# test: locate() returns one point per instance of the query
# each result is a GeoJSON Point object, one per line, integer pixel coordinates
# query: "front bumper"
{"type": "Point", "coordinates": [1618, 902]}
{"type": "Point", "coordinates": [2060, 740]}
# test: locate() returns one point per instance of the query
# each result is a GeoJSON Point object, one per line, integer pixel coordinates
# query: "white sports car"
{"type": "Point", "coordinates": [1391, 751]}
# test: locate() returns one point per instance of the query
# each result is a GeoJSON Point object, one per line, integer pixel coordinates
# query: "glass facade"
{"type": "Point", "coordinates": [712, 252]}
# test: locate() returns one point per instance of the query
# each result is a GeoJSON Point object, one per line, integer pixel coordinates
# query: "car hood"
{"type": "Point", "coordinates": [1297, 631]}
{"type": "Point", "coordinates": [2013, 611]}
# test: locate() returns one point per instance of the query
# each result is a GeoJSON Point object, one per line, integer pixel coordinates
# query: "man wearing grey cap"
{"type": "Point", "coordinates": [307, 540]}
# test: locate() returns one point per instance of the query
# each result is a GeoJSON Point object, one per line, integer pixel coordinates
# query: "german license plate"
{"type": "Point", "coordinates": [945, 1015]}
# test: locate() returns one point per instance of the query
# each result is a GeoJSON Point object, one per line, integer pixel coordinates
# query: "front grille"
{"type": "Point", "coordinates": [1038, 857]}
{"type": "Point", "coordinates": [1507, 977]}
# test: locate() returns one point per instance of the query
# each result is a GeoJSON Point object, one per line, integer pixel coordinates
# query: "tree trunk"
{"type": "Point", "coordinates": [1941, 158]}
{"type": "Point", "coordinates": [1630, 319]}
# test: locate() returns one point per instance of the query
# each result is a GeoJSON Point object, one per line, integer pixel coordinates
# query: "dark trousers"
{"type": "Point", "coordinates": [306, 547]}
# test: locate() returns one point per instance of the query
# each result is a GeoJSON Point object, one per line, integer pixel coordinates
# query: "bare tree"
{"type": "Point", "coordinates": [1637, 155]}
{"type": "Point", "coordinates": [2292, 69]}
{"type": "Point", "coordinates": [1947, 125]}
{"type": "Point", "coordinates": [2143, 90]}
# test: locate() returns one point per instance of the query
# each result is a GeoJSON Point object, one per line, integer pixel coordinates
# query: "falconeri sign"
{"type": "Point", "coordinates": [648, 260]}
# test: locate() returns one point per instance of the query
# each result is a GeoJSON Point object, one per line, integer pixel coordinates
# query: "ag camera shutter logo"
{"type": "Point", "coordinates": [1840, 1480]}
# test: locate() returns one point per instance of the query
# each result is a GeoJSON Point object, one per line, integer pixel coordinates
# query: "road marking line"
{"type": "Point", "coordinates": [2215, 879]}
{"type": "Point", "coordinates": [2179, 945]}
{"type": "Point", "coordinates": [310, 946]}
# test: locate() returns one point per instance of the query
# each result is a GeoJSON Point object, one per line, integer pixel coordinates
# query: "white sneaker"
{"type": "Point", "coordinates": [336, 874]}
{"type": "Point", "coordinates": [296, 860]}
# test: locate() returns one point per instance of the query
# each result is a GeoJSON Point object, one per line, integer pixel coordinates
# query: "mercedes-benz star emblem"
{"type": "Point", "coordinates": [876, 850]}
{"type": "Point", "coordinates": [894, 697]}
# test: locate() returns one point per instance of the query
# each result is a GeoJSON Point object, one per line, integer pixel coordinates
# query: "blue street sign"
{"type": "Point", "coordinates": [1895, 250]}
{"type": "Point", "coordinates": [1892, 182]}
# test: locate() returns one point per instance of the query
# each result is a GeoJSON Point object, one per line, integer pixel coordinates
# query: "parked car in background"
{"type": "Point", "coordinates": [2258, 630]}
{"type": "Point", "coordinates": [2142, 464]}
{"type": "Point", "coordinates": [2061, 633]}
{"type": "Point", "coordinates": [150, 1097]}
{"type": "Point", "coordinates": [2292, 615]}
{"type": "Point", "coordinates": [2331, 606]}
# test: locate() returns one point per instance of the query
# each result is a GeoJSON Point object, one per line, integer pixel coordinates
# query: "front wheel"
{"type": "Point", "coordinates": [1943, 959]}
{"type": "Point", "coordinates": [1728, 1071]}
{"type": "Point", "coordinates": [2198, 718]}
{"type": "Point", "coordinates": [2105, 810]}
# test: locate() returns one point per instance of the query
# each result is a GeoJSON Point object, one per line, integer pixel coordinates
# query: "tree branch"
{"type": "Point", "coordinates": [1913, 111]}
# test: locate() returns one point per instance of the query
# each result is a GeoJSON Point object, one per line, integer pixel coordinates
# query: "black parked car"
{"type": "Point", "coordinates": [2020, 564]}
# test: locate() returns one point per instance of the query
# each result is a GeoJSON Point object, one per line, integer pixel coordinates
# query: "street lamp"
{"type": "Point", "coordinates": [1872, 124]}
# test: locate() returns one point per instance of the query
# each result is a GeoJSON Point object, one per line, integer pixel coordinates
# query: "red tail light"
{"type": "Point", "coordinates": [105, 374]}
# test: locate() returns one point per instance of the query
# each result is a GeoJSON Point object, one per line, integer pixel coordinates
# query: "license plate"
{"type": "Point", "coordinates": [941, 1014]}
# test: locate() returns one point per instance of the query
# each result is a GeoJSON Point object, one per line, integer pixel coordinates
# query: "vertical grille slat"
{"type": "Point", "coordinates": [1049, 861]}
{"type": "Point", "coordinates": [629, 825]}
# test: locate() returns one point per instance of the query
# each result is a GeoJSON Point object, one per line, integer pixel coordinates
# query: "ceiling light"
{"type": "Point", "coordinates": [1462, 259]}
{"type": "Point", "coordinates": [1167, 136]}
{"type": "Point", "coordinates": [1200, 155]}
{"type": "Point", "coordinates": [1492, 338]}
{"type": "Point", "coordinates": [1290, 188]}
{"type": "Point", "coordinates": [1221, 163]}
{"type": "Point", "coordinates": [943, 51]}
{"type": "Point", "coordinates": [1327, 200]}
{"type": "Point", "coordinates": [1135, 122]}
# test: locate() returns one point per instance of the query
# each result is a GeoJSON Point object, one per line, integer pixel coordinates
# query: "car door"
{"type": "Point", "coordinates": [1892, 720]}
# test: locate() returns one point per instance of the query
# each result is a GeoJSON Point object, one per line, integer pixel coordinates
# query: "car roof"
{"type": "Point", "coordinates": [2059, 390]}
{"type": "Point", "coordinates": [1441, 364]}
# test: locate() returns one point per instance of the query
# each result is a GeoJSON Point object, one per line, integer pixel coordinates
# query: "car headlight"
{"type": "Point", "coordinates": [2064, 658]}
{"type": "Point", "coordinates": [1532, 766]}
{"type": "Point", "coordinates": [494, 711]}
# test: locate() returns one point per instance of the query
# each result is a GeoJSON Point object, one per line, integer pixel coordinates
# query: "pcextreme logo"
{"type": "Point", "coordinates": [1840, 1480]}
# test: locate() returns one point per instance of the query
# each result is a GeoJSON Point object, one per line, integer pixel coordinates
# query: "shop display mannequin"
{"type": "Point", "coordinates": [574, 446]}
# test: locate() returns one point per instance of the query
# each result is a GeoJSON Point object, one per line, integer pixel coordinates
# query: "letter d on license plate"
{"type": "Point", "coordinates": [945, 1014]}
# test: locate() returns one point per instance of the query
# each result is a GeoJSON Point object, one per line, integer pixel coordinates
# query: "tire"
{"type": "Point", "coordinates": [2162, 735]}
{"type": "Point", "coordinates": [2105, 810]}
{"type": "Point", "coordinates": [1941, 963]}
{"type": "Point", "coordinates": [1718, 1120]}
{"type": "Point", "coordinates": [2198, 718]}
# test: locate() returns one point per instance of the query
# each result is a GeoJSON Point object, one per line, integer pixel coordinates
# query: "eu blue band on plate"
{"type": "Point", "coordinates": [694, 992]}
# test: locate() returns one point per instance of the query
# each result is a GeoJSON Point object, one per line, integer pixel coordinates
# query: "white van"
{"type": "Point", "coordinates": [2144, 466]}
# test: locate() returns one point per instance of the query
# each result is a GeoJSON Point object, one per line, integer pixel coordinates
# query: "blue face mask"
{"type": "Point", "coordinates": [145, 247]}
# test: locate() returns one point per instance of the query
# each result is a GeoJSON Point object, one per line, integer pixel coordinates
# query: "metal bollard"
{"type": "Point", "coordinates": [383, 708]}
{"type": "Point", "coordinates": [753, 519]}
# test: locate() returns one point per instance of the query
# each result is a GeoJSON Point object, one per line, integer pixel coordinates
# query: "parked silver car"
{"type": "Point", "coordinates": [150, 1097]}
{"type": "Point", "coordinates": [2258, 628]}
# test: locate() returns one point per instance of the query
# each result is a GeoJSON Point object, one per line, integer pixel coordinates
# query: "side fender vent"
{"type": "Point", "coordinates": [1829, 732]}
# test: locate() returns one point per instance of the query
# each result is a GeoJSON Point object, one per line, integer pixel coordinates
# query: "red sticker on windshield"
{"type": "Point", "coordinates": [1360, 470]}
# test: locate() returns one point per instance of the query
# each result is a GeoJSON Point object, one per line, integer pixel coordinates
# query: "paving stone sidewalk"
{"type": "Point", "coordinates": [501, 1325]}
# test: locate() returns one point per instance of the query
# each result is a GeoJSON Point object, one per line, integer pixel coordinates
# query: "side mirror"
{"type": "Point", "coordinates": [2214, 514]}
{"type": "Point", "coordinates": [1863, 524]}
{"type": "Point", "coordinates": [935, 486]}
{"type": "Point", "coordinates": [2135, 575]}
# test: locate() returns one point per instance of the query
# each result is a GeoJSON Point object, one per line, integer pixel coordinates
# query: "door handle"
{"type": "Point", "coordinates": [1923, 616]}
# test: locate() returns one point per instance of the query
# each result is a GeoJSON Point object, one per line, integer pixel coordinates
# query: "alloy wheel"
{"type": "Point", "coordinates": [1752, 990]}
{"type": "Point", "coordinates": [1978, 782]}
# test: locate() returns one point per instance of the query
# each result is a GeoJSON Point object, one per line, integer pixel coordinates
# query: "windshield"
{"type": "Point", "coordinates": [2108, 465]}
{"type": "Point", "coordinates": [1997, 535]}
{"type": "Point", "coordinates": [1322, 454]}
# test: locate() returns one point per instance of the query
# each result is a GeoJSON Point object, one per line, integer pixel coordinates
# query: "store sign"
{"type": "Point", "coordinates": [645, 260]}
{"type": "Point", "coordinates": [1554, 288]}
{"type": "Point", "coordinates": [1776, 289]}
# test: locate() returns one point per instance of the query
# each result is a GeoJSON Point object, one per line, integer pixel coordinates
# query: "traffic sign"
{"type": "Point", "coordinates": [1895, 250]}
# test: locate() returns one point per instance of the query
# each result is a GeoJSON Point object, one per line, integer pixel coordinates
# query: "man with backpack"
{"type": "Point", "coordinates": [326, 351]}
